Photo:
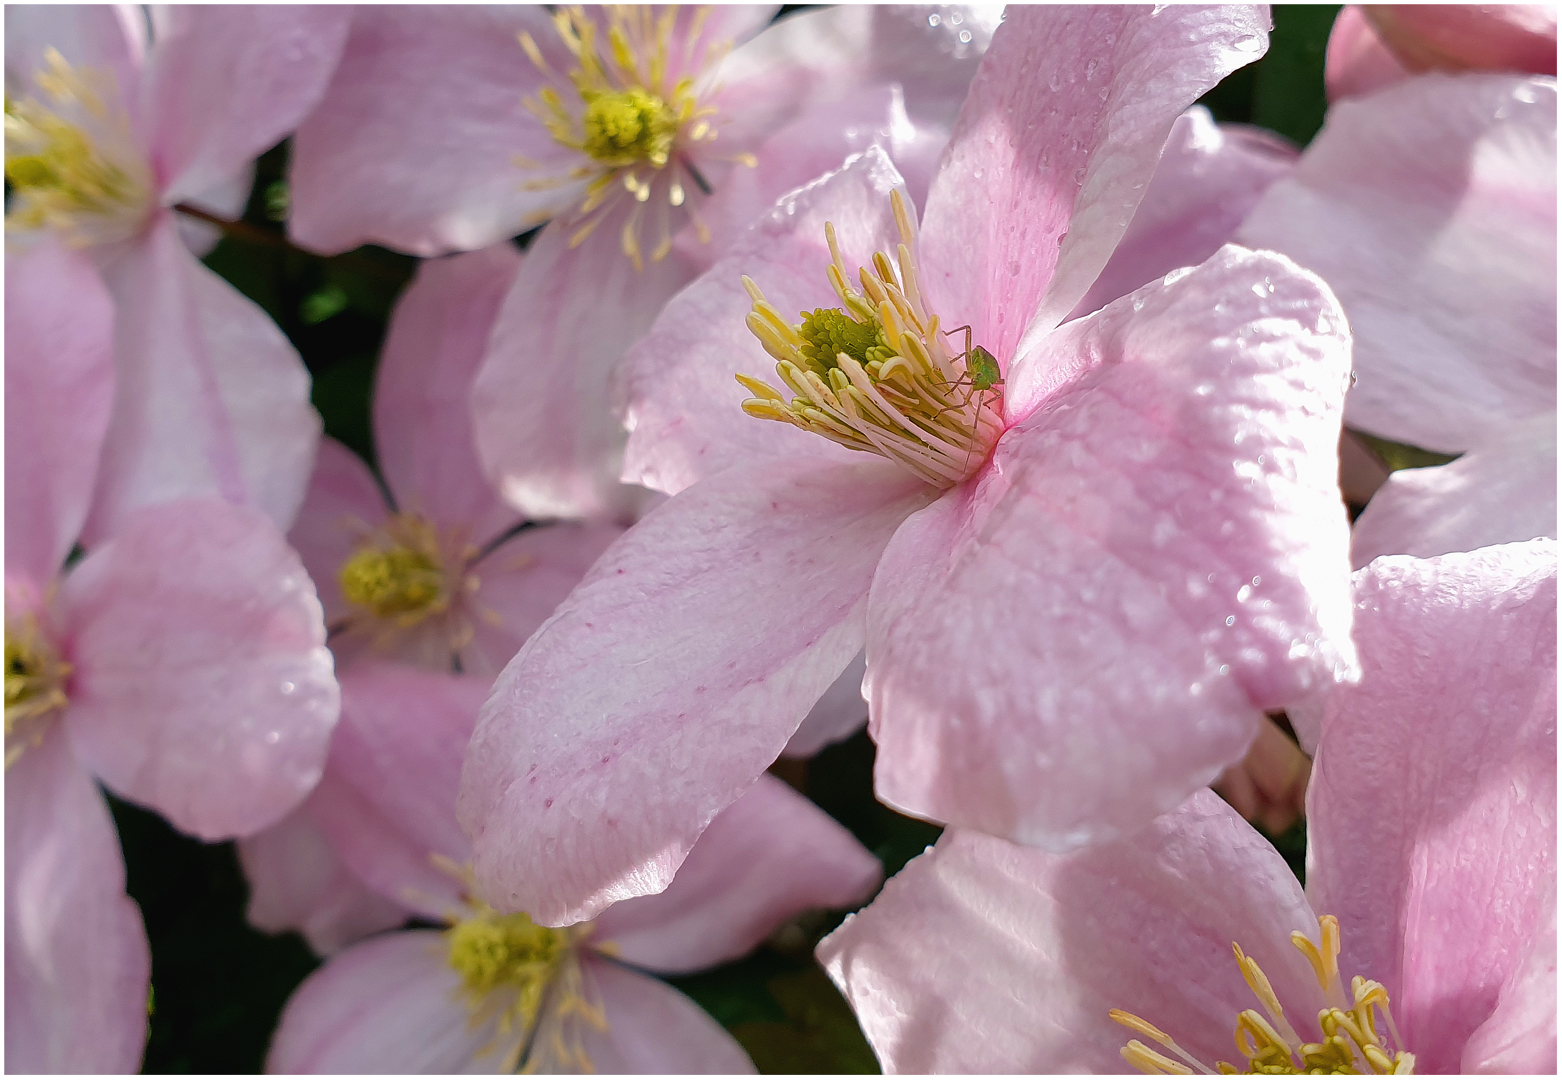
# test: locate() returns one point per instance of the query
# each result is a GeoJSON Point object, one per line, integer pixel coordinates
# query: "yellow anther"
{"type": "Point", "coordinates": [1324, 957]}
{"type": "Point", "coordinates": [35, 679]}
{"type": "Point", "coordinates": [397, 582]}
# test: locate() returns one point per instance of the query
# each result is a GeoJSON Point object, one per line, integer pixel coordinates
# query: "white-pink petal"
{"type": "Point", "coordinates": [653, 1028]}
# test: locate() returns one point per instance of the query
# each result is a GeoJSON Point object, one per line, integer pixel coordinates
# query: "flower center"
{"type": "Point", "coordinates": [1351, 1040]}
{"type": "Point", "coordinates": [631, 110]}
{"type": "Point", "coordinates": [34, 684]}
{"type": "Point", "coordinates": [71, 163]}
{"type": "Point", "coordinates": [877, 374]}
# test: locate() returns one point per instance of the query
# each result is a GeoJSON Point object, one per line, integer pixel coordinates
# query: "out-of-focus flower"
{"type": "Point", "coordinates": [1162, 463]}
{"type": "Point", "coordinates": [1430, 884]}
{"type": "Point", "coordinates": [494, 992]}
{"type": "Point", "coordinates": [1376, 45]}
{"type": "Point", "coordinates": [651, 137]}
{"type": "Point", "coordinates": [1269, 784]}
{"type": "Point", "coordinates": [183, 662]}
{"type": "Point", "coordinates": [104, 134]}
{"type": "Point", "coordinates": [1430, 209]}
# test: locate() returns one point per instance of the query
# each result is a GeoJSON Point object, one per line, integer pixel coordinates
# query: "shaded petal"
{"type": "Point", "coordinates": [1521, 1036]}
{"type": "Point", "coordinates": [1453, 37]}
{"type": "Point", "coordinates": [985, 957]}
{"type": "Point", "coordinates": [210, 398]}
{"type": "Point", "coordinates": [522, 582]}
{"type": "Point", "coordinates": [76, 957]}
{"type": "Point", "coordinates": [59, 387]}
{"type": "Point", "coordinates": [202, 686]}
{"type": "Point", "coordinates": [767, 858]}
{"type": "Point", "coordinates": [684, 407]}
{"type": "Point", "coordinates": [1209, 176]}
{"type": "Point", "coordinates": [1072, 642]}
{"type": "Point", "coordinates": [227, 82]}
{"type": "Point", "coordinates": [387, 802]}
{"type": "Point", "coordinates": [653, 1028]}
{"type": "Point", "coordinates": [1097, 90]}
{"type": "Point", "coordinates": [392, 1004]}
{"type": "Point", "coordinates": [836, 715]}
{"type": "Point", "coordinates": [414, 143]}
{"type": "Point", "coordinates": [296, 882]}
{"type": "Point", "coordinates": [342, 504]}
{"type": "Point", "coordinates": [546, 431]}
{"type": "Point", "coordinates": [1357, 62]}
{"type": "Point", "coordinates": [423, 387]}
{"type": "Point", "coordinates": [1430, 208]}
{"type": "Point", "coordinates": [1432, 809]}
{"type": "Point", "coordinates": [670, 678]}
{"type": "Point", "coordinates": [103, 37]}
{"type": "Point", "coordinates": [1502, 491]}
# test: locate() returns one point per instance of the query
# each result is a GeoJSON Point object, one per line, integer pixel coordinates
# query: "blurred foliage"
{"type": "Point", "coordinates": [219, 985]}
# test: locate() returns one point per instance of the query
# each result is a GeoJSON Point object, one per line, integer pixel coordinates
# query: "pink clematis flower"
{"type": "Point", "coordinates": [649, 136]}
{"type": "Point", "coordinates": [496, 992]}
{"type": "Point", "coordinates": [106, 132]}
{"type": "Point", "coordinates": [182, 662]}
{"type": "Point", "coordinates": [1428, 921]}
{"type": "Point", "coordinates": [1430, 208]}
{"type": "Point", "coordinates": [1078, 591]}
{"type": "Point", "coordinates": [441, 577]}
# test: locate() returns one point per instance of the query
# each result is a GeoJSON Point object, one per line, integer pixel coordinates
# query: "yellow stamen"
{"type": "Point", "coordinates": [35, 679]}
{"type": "Point", "coordinates": [406, 576]}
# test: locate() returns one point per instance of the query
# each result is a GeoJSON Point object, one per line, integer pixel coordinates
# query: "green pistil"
{"type": "Point", "coordinates": [829, 331]}
{"type": "Point", "coordinates": [627, 126]}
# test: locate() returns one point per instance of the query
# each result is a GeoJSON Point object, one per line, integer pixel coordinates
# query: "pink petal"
{"type": "Point", "coordinates": [837, 714]}
{"type": "Point", "coordinates": [343, 502]}
{"type": "Point", "coordinates": [76, 958]}
{"type": "Point", "coordinates": [1210, 175]}
{"type": "Point", "coordinates": [1430, 208]}
{"type": "Point", "coordinates": [1097, 91]}
{"type": "Point", "coordinates": [691, 651]}
{"type": "Point", "coordinates": [1069, 644]}
{"type": "Point", "coordinates": [387, 802]}
{"type": "Point", "coordinates": [422, 408]}
{"type": "Point", "coordinates": [1521, 1036]}
{"type": "Point", "coordinates": [1453, 37]}
{"type": "Point", "coordinates": [59, 386]}
{"type": "Point", "coordinates": [1444, 758]}
{"type": "Point", "coordinates": [391, 1004]}
{"type": "Point", "coordinates": [414, 143]}
{"type": "Point", "coordinates": [1357, 61]}
{"type": "Point", "coordinates": [522, 582]}
{"type": "Point", "coordinates": [110, 38]}
{"type": "Point", "coordinates": [985, 957]}
{"type": "Point", "coordinates": [202, 686]}
{"type": "Point", "coordinates": [540, 404]}
{"type": "Point", "coordinates": [210, 399]}
{"type": "Point", "coordinates": [297, 883]}
{"type": "Point", "coordinates": [228, 82]}
{"type": "Point", "coordinates": [767, 858]}
{"type": "Point", "coordinates": [652, 1028]}
{"type": "Point", "coordinates": [684, 411]}
{"type": "Point", "coordinates": [1503, 490]}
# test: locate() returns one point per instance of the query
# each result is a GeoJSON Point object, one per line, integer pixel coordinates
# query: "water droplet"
{"type": "Point", "coordinates": [955, 18]}
{"type": "Point", "coordinates": [1256, 580]}
{"type": "Point", "coordinates": [1525, 94]}
{"type": "Point", "coordinates": [933, 20]}
{"type": "Point", "coordinates": [288, 688]}
{"type": "Point", "coordinates": [1054, 82]}
{"type": "Point", "coordinates": [1231, 620]}
{"type": "Point", "coordinates": [1243, 593]}
{"type": "Point", "coordinates": [965, 37]}
{"type": "Point", "coordinates": [1225, 669]}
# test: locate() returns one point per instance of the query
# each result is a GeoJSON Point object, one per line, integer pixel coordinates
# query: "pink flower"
{"type": "Point", "coordinates": [105, 132]}
{"type": "Point", "coordinates": [182, 662]}
{"type": "Point", "coordinates": [475, 996]}
{"type": "Point", "coordinates": [1378, 45]}
{"type": "Point", "coordinates": [1078, 597]}
{"type": "Point", "coordinates": [1431, 882]}
{"type": "Point", "coordinates": [1430, 208]}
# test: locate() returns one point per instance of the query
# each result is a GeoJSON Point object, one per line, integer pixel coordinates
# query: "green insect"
{"type": "Point", "coordinates": [981, 369]}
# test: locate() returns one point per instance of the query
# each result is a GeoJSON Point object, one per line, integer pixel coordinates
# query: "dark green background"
{"type": "Point", "coordinates": [218, 985]}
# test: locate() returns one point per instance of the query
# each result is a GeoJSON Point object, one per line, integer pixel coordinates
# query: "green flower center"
{"type": "Point", "coordinates": [627, 126]}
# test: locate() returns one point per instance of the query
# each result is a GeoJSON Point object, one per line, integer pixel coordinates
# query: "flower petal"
{"type": "Point", "coordinates": [684, 411]}
{"type": "Point", "coordinates": [1097, 91]}
{"type": "Point", "coordinates": [1445, 758]}
{"type": "Point", "coordinates": [414, 143]}
{"type": "Point", "coordinates": [838, 713]}
{"type": "Point", "coordinates": [1209, 176]}
{"type": "Point", "coordinates": [985, 957]}
{"type": "Point", "coordinates": [1503, 490]}
{"type": "Point", "coordinates": [691, 651]}
{"type": "Point", "coordinates": [296, 882]}
{"type": "Point", "coordinates": [342, 503]}
{"type": "Point", "coordinates": [202, 686]}
{"type": "Point", "coordinates": [422, 391]}
{"type": "Point", "coordinates": [1452, 37]}
{"type": "Point", "coordinates": [76, 957]}
{"type": "Point", "coordinates": [210, 398]}
{"type": "Point", "coordinates": [1521, 1035]}
{"type": "Point", "coordinates": [229, 81]}
{"type": "Point", "coordinates": [1073, 642]}
{"type": "Point", "coordinates": [102, 37]}
{"type": "Point", "coordinates": [1430, 208]}
{"type": "Point", "coordinates": [59, 387]}
{"type": "Point", "coordinates": [652, 1028]}
{"type": "Point", "coordinates": [767, 858]}
{"type": "Point", "coordinates": [1357, 62]}
{"type": "Point", "coordinates": [391, 1004]}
